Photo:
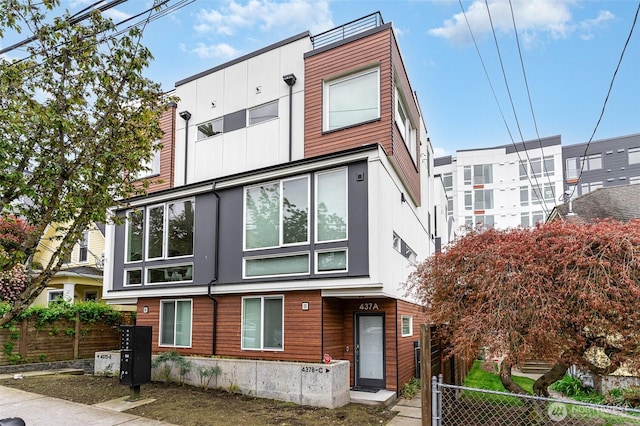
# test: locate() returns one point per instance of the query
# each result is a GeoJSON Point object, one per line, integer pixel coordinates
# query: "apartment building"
{"type": "Point", "coordinates": [503, 186]}
{"type": "Point", "coordinates": [601, 163]}
{"type": "Point", "coordinates": [303, 194]}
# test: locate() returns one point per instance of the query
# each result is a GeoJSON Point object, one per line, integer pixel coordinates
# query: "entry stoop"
{"type": "Point", "coordinates": [381, 398]}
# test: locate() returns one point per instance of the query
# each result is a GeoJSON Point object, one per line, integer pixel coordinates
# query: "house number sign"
{"type": "Point", "coordinates": [368, 306]}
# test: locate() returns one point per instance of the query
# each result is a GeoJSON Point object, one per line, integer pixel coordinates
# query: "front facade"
{"type": "Point", "coordinates": [602, 163]}
{"type": "Point", "coordinates": [504, 186]}
{"type": "Point", "coordinates": [302, 195]}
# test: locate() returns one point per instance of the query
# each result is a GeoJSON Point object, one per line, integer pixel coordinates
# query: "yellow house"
{"type": "Point", "coordinates": [80, 279]}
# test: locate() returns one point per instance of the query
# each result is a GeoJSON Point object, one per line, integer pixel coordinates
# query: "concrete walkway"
{"type": "Point", "coordinates": [409, 412]}
{"type": "Point", "coordinates": [38, 410]}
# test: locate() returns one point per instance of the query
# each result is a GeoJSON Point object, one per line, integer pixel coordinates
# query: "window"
{"type": "Point", "coordinates": [83, 249]}
{"type": "Point", "coordinates": [524, 220]}
{"type": "Point", "coordinates": [262, 323]}
{"type": "Point", "coordinates": [587, 187]}
{"type": "Point", "coordinates": [447, 179]}
{"type": "Point", "coordinates": [277, 213]}
{"type": "Point", "coordinates": [485, 221]}
{"type": "Point", "coordinates": [132, 277]}
{"type": "Point", "coordinates": [572, 168]}
{"type": "Point", "coordinates": [523, 170]}
{"type": "Point", "coordinates": [90, 296]}
{"type": "Point", "coordinates": [467, 175]}
{"type": "Point", "coordinates": [592, 162]}
{"type": "Point", "coordinates": [524, 195]}
{"type": "Point", "coordinates": [210, 128]}
{"type": "Point", "coordinates": [135, 232]}
{"type": "Point", "coordinates": [634, 155]}
{"type": "Point", "coordinates": [634, 180]}
{"type": "Point", "coordinates": [263, 113]}
{"type": "Point", "coordinates": [352, 99]}
{"type": "Point", "coordinates": [411, 255]}
{"type": "Point", "coordinates": [272, 266]}
{"type": "Point", "coordinates": [407, 325]}
{"type": "Point", "coordinates": [397, 243]}
{"type": "Point", "coordinates": [175, 323]}
{"type": "Point", "coordinates": [331, 205]}
{"type": "Point", "coordinates": [549, 166]}
{"type": "Point", "coordinates": [170, 230]}
{"type": "Point", "coordinates": [537, 217]}
{"type": "Point", "coordinates": [167, 274]}
{"type": "Point", "coordinates": [468, 222]}
{"type": "Point", "coordinates": [483, 199]}
{"type": "Point", "coordinates": [544, 192]}
{"type": "Point", "coordinates": [482, 173]}
{"type": "Point", "coordinates": [449, 206]}
{"type": "Point", "coordinates": [151, 167]}
{"type": "Point", "coordinates": [55, 296]}
{"type": "Point", "coordinates": [407, 130]}
{"type": "Point", "coordinates": [331, 261]}
{"type": "Point", "coordinates": [468, 200]}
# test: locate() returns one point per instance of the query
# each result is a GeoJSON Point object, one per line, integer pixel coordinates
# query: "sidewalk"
{"type": "Point", "coordinates": [409, 412]}
{"type": "Point", "coordinates": [38, 410]}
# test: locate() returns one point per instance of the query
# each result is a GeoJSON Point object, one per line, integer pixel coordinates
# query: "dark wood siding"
{"type": "Point", "coordinates": [406, 363]}
{"type": "Point", "coordinates": [302, 329]}
{"type": "Point", "coordinates": [342, 60]}
{"type": "Point", "coordinates": [202, 325]}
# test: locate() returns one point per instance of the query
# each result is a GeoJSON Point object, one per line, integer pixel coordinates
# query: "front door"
{"type": "Point", "coordinates": [369, 356]}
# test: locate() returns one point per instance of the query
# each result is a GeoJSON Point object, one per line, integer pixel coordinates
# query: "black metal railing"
{"type": "Point", "coordinates": [347, 30]}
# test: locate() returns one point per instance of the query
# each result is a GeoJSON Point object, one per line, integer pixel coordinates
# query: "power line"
{"type": "Point", "coordinates": [606, 99]}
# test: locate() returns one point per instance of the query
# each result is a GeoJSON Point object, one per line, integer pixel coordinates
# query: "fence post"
{"type": "Point", "coordinates": [76, 338]}
{"type": "Point", "coordinates": [425, 373]}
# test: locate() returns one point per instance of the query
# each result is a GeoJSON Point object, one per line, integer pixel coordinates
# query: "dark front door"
{"type": "Point", "coordinates": [369, 344]}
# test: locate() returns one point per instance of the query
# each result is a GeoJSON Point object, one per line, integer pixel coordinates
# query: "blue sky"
{"type": "Point", "coordinates": [570, 49]}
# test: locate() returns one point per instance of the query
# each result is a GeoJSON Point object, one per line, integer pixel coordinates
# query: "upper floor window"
{"type": "Point", "coordinates": [524, 196]}
{"type": "Point", "coordinates": [407, 130]}
{"type": "Point", "coordinates": [549, 165]}
{"type": "Point", "coordinates": [449, 206]}
{"type": "Point", "coordinates": [634, 155]}
{"type": "Point", "coordinates": [170, 230]}
{"type": "Point", "coordinates": [83, 247]}
{"type": "Point", "coordinates": [331, 205]}
{"type": "Point", "coordinates": [135, 234]}
{"type": "Point", "coordinates": [537, 167]}
{"type": "Point", "coordinates": [352, 99]}
{"type": "Point", "coordinates": [485, 221]}
{"type": "Point", "coordinates": [151, 167]}
{"type": "Point", "coordinates": [210, 128]}
{"type": "Point", "coordinates": [482, 173]}
{"type": "Point", "coordinates": [544, 192]}
{"type": "Point", "coordinates": [467, 175]}
{"type": "Point", "coordinates": [587, 187]}
{"type": "Point", "coordinates": [576, 164]}
{"type": "Point", "coordinates": [277, 213]}
{"type": "Point", "coordinates": [592, 162]}
{"type": "Point", "coordinates": [483, 199]}
{"type": "Point", "coordinates": [447, 179]}
{"type": "Point", "coordinates": [264, 112]}
{"type": "Point", "coordinates": [468, 200]}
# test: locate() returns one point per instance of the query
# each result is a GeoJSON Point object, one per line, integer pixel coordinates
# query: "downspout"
{"type": "Point", "coordinates": [186, 115]}
{"type": "Point", "coordinates": [215, 276]}
{"type": "Point", "coordinates": [290, 80]}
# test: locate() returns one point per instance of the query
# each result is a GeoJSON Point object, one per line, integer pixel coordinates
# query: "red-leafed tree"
{"type": "Point", "coordinates": [13, 276]}
{"type": "Point", "coordinates": [567, 293]}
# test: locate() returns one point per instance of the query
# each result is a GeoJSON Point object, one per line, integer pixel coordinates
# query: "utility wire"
{"type": "Point", "coordinates": [606, 99]}
{"type": "Point", "coordinates": [537, 187]}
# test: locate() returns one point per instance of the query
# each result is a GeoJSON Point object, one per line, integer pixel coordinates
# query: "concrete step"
{"type": "Point", "coordinates": [381, 398]}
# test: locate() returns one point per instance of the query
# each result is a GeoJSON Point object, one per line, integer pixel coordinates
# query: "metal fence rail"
{"type": "Point", "coordinates": [463, 406]}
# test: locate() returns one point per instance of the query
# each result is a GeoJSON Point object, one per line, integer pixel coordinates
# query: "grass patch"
{"type": "Point", "coordinates": [480, 378]}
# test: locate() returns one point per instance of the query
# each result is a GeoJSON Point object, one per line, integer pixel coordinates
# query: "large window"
{"type": "Point", "coordinates": [482, 173]}
{"type": "Point", "coordinates": [447, 180]}
{"type": "Point", "coordinates": [277, 213]}
{"type": "Point", "coordinates": [170, 230]}
{"type": "Point", "coordinates": [262, 323]}
{"type": "Point", "coordinates": [537, 167]}
{"type": "Point", "coordinates": [483, 199]}
{"type": "Point", "coordinates": [263, 113]}
{"type": "Point", "coordinates": [634, 155]}
{"type": "Point", "coordinates": [544, 192]}
{"type": "Point", "coordinates": [331, 205]}
{"type": "Point", "coordinates": [352, 99]}
{"type": "Point", "coordinates": [590, 162]}
{"type": "Point", "coordinates": [151, 167]}
{"type": "Point", "coordinates": [271, 266]}
{"type": "Point", "coordinates": [403, 121]}
{"type": "Point", "coordinates": [175, 323]}
{"type": "Point", "coordinates": [135, 233]}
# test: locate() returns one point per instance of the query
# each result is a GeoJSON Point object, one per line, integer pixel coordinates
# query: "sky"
{"type": "Point", "coordinates": [558, 65]}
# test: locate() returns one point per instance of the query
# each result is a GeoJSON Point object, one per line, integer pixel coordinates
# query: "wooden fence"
{"type": "Point", "coordinates": [433, 361]}
{"type": "Point", "coordinates": [57, 341]}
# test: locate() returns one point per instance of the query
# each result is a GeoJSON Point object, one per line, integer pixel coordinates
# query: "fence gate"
{"type": "Point", "coordinates": [463, 406]}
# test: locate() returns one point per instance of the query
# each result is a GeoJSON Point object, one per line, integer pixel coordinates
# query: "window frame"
{"type": "Point", "coordinates": [260, 107]}
{"type": "Point", "coordinates": [326, 97]}
{"type": "Point", "coordinates": [142, 277]}
{"type": "Point", "coordinates": [262, 328]}
{"type": "Point", "coordinates": [346, 202]}
{"type": "Point", "coordinates": [148, 268]}
{"type": "Point", "coordinates": [126, 235]}
{"type": "Point", "coordinates": [215, 122]}
{"type": "Point", "coordinates": [633, 154]}
{"type": "Point", "coordinates": [165, 234]}
{"type": "Point", "coordinates": [447, 177]}
{"type": "Point", "coordinates": [175, 304]}
{"type": "Point", "coordinates": [333, 271]}
{"type": "Point", "coordinates": [402, 325]}
{"type": "Point", "coordinates": [57, 299]}
{"type": "Point", "coordinates": [152, 167]}
{"type": "Point", "coordinates": [83, 247]}
{"type": "Point", "coordinates": [484, 193]}
{"type": "Point", "coordinates": [405, 126]}
{"type": "Point", "coordinates": [275, 256]}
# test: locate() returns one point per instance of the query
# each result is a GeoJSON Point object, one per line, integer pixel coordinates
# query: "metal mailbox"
{"type": "Point", "coordinates": [135, 355]}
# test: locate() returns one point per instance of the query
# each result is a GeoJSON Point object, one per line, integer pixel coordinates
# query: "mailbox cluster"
{"type": "Point", "coordinates": [135, 355]}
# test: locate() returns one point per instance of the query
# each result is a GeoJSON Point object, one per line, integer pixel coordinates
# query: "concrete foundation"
{"type": "Point", "coordinates": [315, 384]}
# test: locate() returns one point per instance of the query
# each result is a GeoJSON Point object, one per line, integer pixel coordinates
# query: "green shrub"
{"type": "Point", "coordinates": [411, 388]}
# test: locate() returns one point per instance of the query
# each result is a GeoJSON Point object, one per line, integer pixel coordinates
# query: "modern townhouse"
{"type": "Point", "coordinates": [302, 194]}
{"type": "Point", "coordinates": [503, 186]}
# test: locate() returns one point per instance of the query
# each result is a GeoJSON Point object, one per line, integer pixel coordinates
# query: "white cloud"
{"type": "Point", "coordinates": [532, 17]}
{"type": "Point", "coordinates": [589, 25]}
{"type": "Point", "coordinates": [215, 51]}
{"type": "Point", "coordinates": [116, 15]}
{"type": "Point", "coordinates": [265, 15]}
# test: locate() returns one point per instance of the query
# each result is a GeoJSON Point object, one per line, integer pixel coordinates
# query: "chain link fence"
{"type": "Point", "coordinates": [463, 406]}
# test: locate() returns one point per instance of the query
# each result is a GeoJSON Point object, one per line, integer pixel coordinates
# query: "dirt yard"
{"type": "Point", "coordinates": [186, 405]}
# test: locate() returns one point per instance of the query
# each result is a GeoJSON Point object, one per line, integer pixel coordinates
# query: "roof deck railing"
{"type": "Point", "coordinates": [347, 30]}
